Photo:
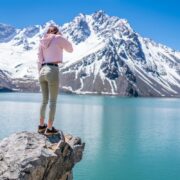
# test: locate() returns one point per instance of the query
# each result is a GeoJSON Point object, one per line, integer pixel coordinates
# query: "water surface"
{"type": "Point", "coordinates": [126, 138]}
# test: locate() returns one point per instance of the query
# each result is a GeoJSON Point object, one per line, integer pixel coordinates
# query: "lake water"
{"type": "Point", "coordinates": [126, 138]}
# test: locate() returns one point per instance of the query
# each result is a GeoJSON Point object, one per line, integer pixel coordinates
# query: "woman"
{"type": "Point", "coordinates": [50, 53]}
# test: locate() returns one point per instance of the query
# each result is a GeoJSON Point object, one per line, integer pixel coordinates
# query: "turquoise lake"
{"type": "Point", "coordinates": [126, 138]}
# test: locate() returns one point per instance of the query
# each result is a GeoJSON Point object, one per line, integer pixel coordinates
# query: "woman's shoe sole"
{"type": "Point", "coordinates": [49, 134]}
{"type": "Point", "coordinates": [41, 131]}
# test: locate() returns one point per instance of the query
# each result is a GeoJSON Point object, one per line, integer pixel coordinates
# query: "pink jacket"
{"type": "Point", "coordinates": [51, 49]}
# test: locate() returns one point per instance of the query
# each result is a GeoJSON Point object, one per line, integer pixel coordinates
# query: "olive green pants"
{"type": "Point", "coordinates": [49, 83]}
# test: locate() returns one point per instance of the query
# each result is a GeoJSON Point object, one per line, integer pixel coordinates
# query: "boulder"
{"type": "Point", "coordinates": [32, 156]}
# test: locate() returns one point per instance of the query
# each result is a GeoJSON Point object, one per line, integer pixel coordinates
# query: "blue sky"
{"type": "Point", "coordinates": [156, 19]}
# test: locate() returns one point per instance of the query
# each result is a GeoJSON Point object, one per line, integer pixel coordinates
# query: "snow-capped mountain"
{"type": "Point", "coordinates": [109, 58]}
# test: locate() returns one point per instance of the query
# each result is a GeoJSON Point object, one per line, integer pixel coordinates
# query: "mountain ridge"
{"type": "Point", "coordinates": [109, 58]}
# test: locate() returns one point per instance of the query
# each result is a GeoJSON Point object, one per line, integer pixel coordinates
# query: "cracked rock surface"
{"type": "Point", "coordinates": [32, 156]}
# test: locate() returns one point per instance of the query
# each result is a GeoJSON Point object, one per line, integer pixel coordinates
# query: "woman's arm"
{"type": "Point", "coordinates": [40, 57]}
{"type": "Point", "coordinates": [65, 44]}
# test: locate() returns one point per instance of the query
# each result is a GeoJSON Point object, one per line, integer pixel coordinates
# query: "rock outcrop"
{"type": "Point", "coordinates": [32, 156]}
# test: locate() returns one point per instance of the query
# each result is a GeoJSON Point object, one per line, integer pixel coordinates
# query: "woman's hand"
{"type": "Point", "coordinates": [59, 33]}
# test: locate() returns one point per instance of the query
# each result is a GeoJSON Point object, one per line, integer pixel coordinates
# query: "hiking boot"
{"type": "Point", "coordinates": [42, 129]}
{"type": "Point", "coordinates": [51, 131]}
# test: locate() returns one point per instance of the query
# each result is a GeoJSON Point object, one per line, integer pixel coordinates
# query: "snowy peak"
{"type": "Point", "coordinates": [98, 23]}
{"type": "Point", "coordinates": [78, 30]}
{"type": "Point", "coordinates": [6, 32]}
{"type": "Point", "coordinates": [31, 31]}
{"type": "Point", "coordinates": [100, 17]}
{"type": "Point", "coordinates": [104, 22]}
{"type": "Point", "coordinates": [109, 58]}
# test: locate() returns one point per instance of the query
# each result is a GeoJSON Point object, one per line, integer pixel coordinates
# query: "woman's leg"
{"type": "Point", "coordinates": [53, 84]}
{"type": "Point", "coordinates": [53, 91]}
{"type": "Point", "coordinates": [45, 97]}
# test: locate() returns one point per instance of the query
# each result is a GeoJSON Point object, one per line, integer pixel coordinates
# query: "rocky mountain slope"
{"type": "Point", "coordinates": [109, 58]}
